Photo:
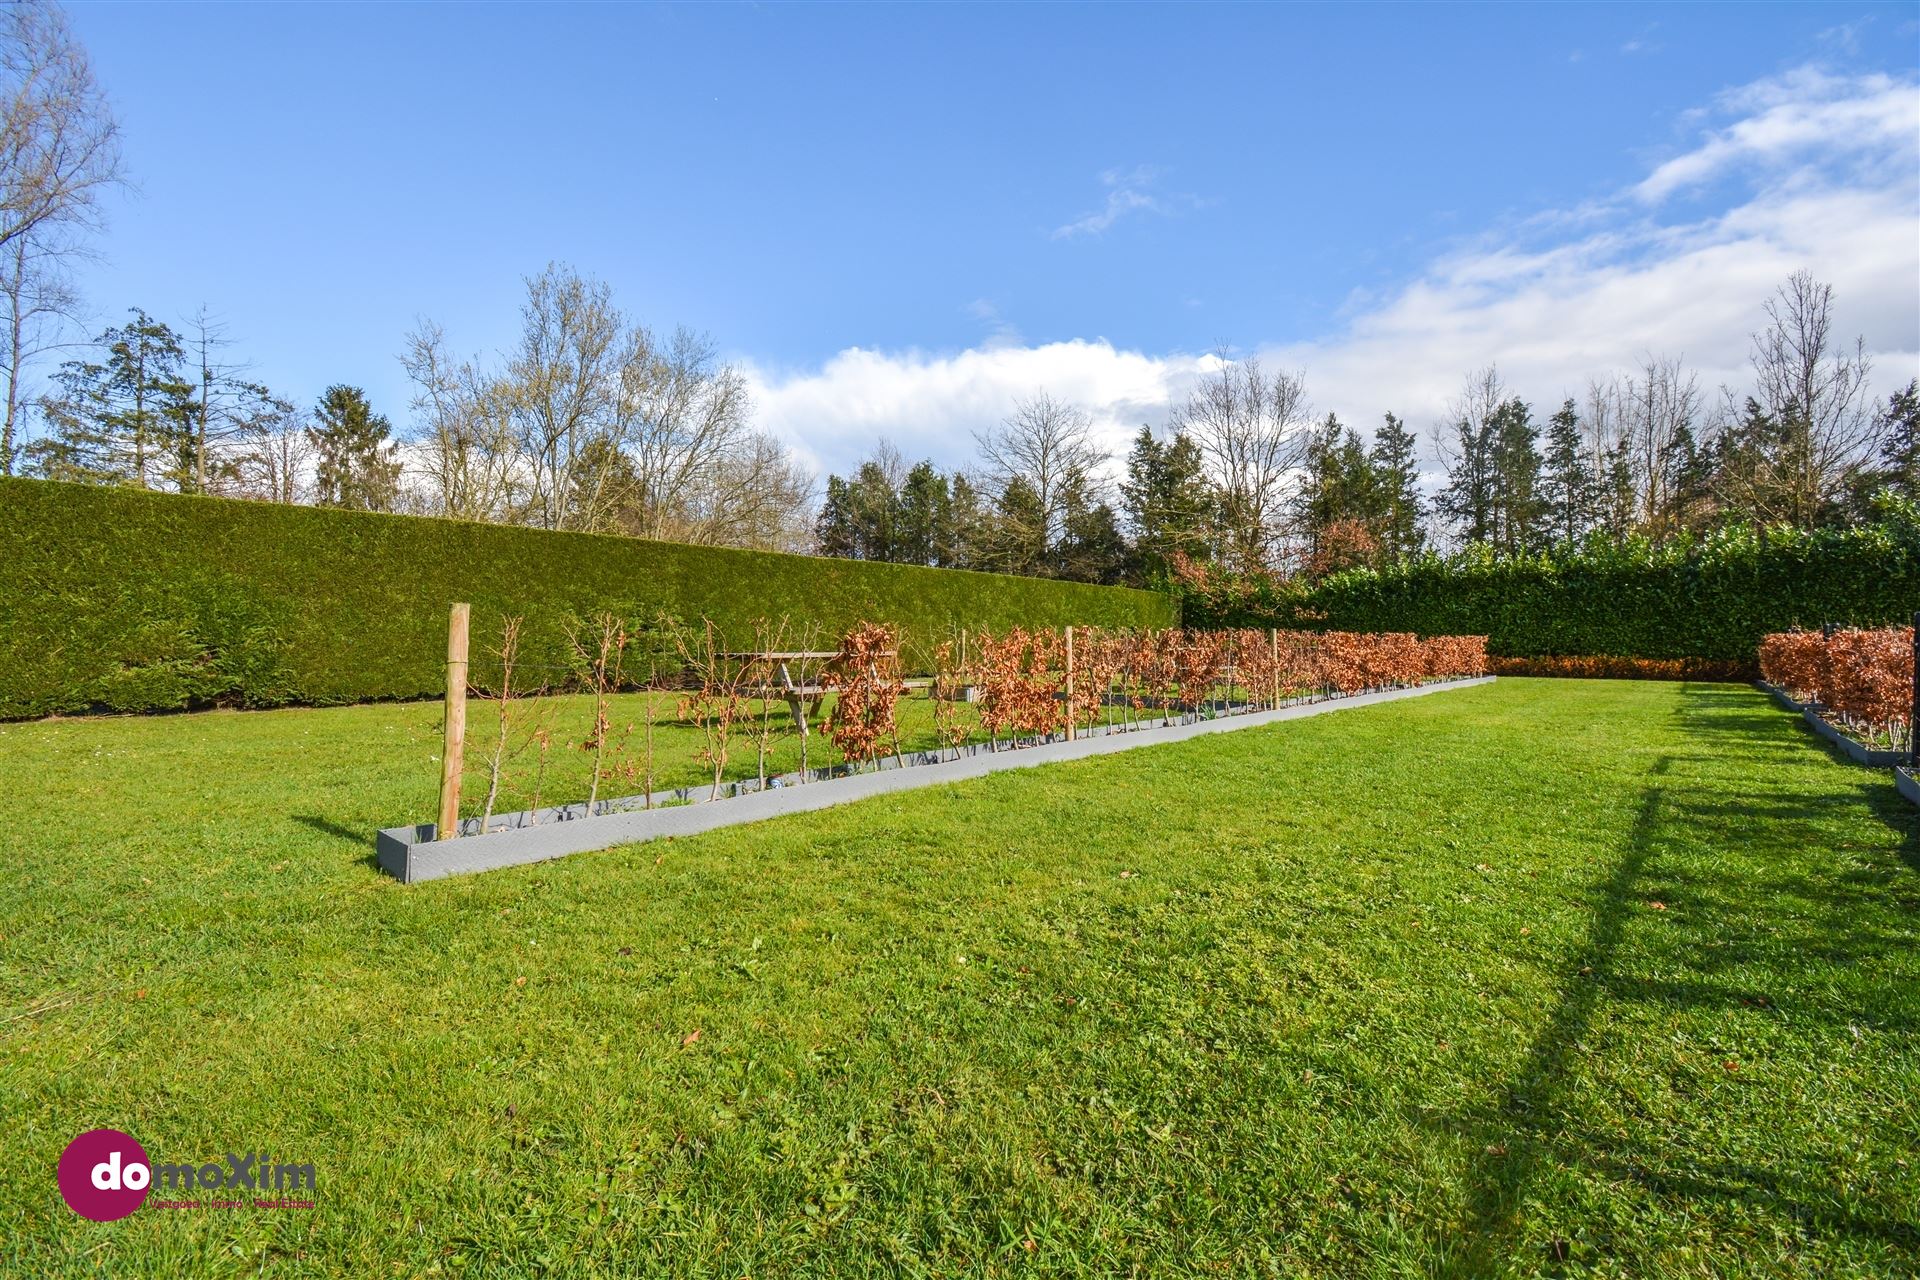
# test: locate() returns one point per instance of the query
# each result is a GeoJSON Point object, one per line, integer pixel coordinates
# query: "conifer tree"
{"type": "Point", "coordinates": [357, 463]}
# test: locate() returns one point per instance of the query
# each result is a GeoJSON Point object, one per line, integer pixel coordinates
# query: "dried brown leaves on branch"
{"type": "Point", "coordinates": [866, 676]}
{"type": "Point", "coordinates": [1864, 678]}
{"type": "Point", "coordinates": [950, 728]}
{"type": "Point", "coordinates": [1022, 682]}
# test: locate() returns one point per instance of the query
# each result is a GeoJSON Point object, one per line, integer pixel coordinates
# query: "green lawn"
{"type": "Point", "coordinates": [1544, 977]}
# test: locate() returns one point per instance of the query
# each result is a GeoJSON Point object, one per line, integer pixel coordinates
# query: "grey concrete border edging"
{"type": "Point", "coordinates": [411, 854]}
{"type": "Point", "coordinates": [1782, 697]}
{"type": "Point", "coordinates": [1855, 750]}
{"type": "Point", "coordinates": [1906, 784]}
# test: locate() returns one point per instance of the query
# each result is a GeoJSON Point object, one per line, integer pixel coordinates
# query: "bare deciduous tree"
{"type": "Point", "coordinates": [701, 473]}
{"type": "Point", "coordinates": [594, 425]}
{"type": "Point", "coordinates": [39, 302]}
{"type": "Point", "coordinates": [560, 378]}
{"type": "Point", "coordinates": [59, 148]}
{"type": "Point", "coordinates": [1250, 428]}
{"type": "Point", "coordinates": [462, 444]}
{"type": "Point", "coordinates": [275, 461]}
{"type": "Point", "coordinates": [1810, 426]}
{"type": "Point", "coordinates": [226, 419]}
{"type": "Point", "coordinates": [1048, 445]}
{"type": "Point", "coordinates": [1660, 407]}
{"type": "Point", "coordinates": [759, 497]}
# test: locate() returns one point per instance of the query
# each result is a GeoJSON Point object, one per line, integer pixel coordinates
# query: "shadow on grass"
{"type": "Point", "coordinates": [363, 840]}
{"type": "Point", "coordinates": [1530, 1103]}
{"type": "Point", "coordinates": [1729, 719]}
{"type": "Point", "coordinates": [1725, 958]}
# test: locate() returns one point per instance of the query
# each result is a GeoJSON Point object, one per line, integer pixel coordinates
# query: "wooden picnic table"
{"type": "Point", "coordinates": [800, 697]}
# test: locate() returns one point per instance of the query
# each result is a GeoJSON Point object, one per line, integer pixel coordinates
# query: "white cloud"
{"type": "Point", "coordinates": [1806, 116]}
{"type": "Point", "coordinates": [1831, 169]}
{"type": "Point", "coordinates": [1128, 191]}
{"type": "Point", "coordinates": [931, 404]}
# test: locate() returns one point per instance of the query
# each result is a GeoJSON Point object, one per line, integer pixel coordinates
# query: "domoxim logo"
{"type": "Point", "coordinates": [104, 1175]}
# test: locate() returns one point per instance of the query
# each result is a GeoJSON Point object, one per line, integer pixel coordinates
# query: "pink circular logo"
{"type": "Point", "coordinates": [104, 1175]}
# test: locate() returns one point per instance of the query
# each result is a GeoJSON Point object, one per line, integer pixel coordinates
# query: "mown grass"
{"type": "Point", "coordinates": [1537, 978]}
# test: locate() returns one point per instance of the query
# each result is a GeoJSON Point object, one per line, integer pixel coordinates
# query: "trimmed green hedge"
{"type": "Point", "coordinates": [1712, 600]}
{"type": "Point", "coordinates": [123, 600]}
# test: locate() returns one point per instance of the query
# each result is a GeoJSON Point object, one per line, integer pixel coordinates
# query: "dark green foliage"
{"type": "Point", "coordinates": [116, 599]}
{"type": "Point", "coordinates": [1168, 503]}
{"type": "Point", "coordinates": [123, 419]}
{"type": "Point", "coordinates": [1016, 538]}
{"type": "Point", "coordinates": [1091, 548]}
{"type": "Point", "coordinates": [1710, 599]}
{"type": "Point", "coordinates": [357, 466]}
{"type": "Point", "coordinates": [1396, 481]}
{"type": "Point", "coordinates": [1900, 441]}
{"type": "Point", "coordinates": [1518, 509]}
{"type": "Point", "coordinates": [1338, 507]}
{"type": "Point", "coordinates": [923, 530]}
{"type": "Point", "coordinates": [859, 517]}
{"type": "Point", "coordinates": [1566, 483]}
{"type": "Point", "coordinates": [1493, 491]}
{"type": "Point", "coordinates": [926, 518]}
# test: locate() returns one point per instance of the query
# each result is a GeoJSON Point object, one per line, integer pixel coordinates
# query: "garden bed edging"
{"type": "Point", "coordinates": [1855, 750]}
{"type": "Point", "coordinates": [411, 854]}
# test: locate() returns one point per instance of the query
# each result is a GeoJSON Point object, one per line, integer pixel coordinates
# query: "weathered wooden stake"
{"type": "Point", "coordinates": [1072, 711]}
{"type": "Point", "coordinates": [1273, 640]}
{"type": "Point", "coordinates": [453, 751]}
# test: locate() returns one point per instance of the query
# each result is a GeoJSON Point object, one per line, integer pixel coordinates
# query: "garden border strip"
{"type": "Point", "coordinates": [1854, 749]}
{"type": "Point", "coordinates": [1906, 784]}
{"type": "Point", "coordinates": [410, 854]}
{"type": "Point", "coordinates": [1782, 697]}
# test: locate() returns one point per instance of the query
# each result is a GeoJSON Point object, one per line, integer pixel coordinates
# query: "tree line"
{"type": "Point", "coordinates": [1241, 474]}
{"type": "Point", "coordinates": [589, 422]}
{"type": "Point", "coordinates": [593, 421]}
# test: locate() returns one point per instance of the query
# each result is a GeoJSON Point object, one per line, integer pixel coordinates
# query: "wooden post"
{"type": "Point", "coordinates": [1273, 641]}
{"type": "Point", "coordinates": [453, 750]}
{"type": "Point", "coordinates": [1072, 712]}
{"type": "Point", "coordinates": [1913, 716]}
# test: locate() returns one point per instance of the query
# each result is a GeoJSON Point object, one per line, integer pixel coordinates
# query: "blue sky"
{"type": "Point", "coordinates": [893, 214]}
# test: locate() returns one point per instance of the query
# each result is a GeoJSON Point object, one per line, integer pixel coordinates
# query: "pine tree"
{"type": "Point", "coordinates": [1091, 548]}
{"type": "Point", "coordinates": [1470, 500]}
{"type": "Point", "coordinates": [1690, 472]}
{"type": "Point", "coordinates": [1167, 502]}
{"type": "Point", "coordinates": [871, 511]}
{"type": "Point", "coordinates": [357, 464]}
{"type": "Point", "coordinates": [963, 540]}
{"type": "Point", "coordinates": [1900, 441]}
{"type": "Point", "coordinates": [1396, 485]}
{"type": "Point", "coordinates": [1016, 534]}
{"type": "Point", "coordinates": [122, 419]}
{"type": "Point", "coordinates": [833, 527]}
{"type": "Point", "coordinates": [1567, 482]}
{"type": "Point", "coordinates": [1617, 495]}
{"type": "Point", "coordinates": [1338, 507]}
{"type": "Point", "coordinates": [925, 511]}
{"type": "Point", "coordinates": [1518, 509]}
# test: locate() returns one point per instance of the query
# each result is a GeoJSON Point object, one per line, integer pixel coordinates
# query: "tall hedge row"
{"type": "Point", "coordinates": [117, 599]}
{"type": "Point", "coordinates": [1711, 600]}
